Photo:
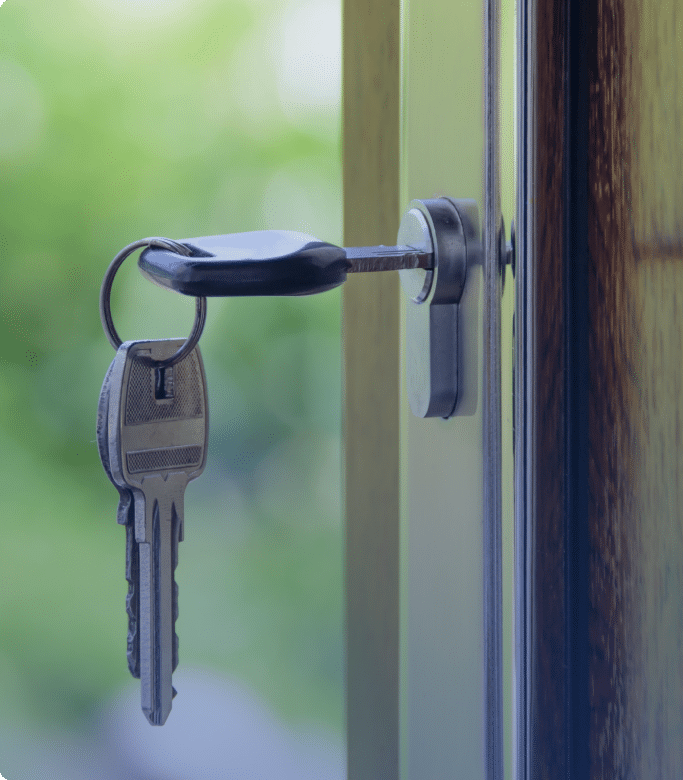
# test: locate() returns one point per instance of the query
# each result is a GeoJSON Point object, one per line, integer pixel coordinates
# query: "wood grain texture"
{"type": "Point", "coordinates": [371, 82]}
{"type": "Point", "coordinates": [614, 535]}
{"type": "Point", "coordinates": [636, 359]}
{"type": "Point", "coordinates": [546, 743]}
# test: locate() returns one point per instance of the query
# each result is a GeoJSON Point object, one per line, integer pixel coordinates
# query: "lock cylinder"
{"type": "Point", "coordinates": [449, 229]}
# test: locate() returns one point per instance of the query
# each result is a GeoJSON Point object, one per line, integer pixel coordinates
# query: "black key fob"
{"type": "Point", "coordinates": [263, 262]}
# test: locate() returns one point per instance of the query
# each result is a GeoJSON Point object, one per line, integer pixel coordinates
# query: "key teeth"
{"type": "Point", "coordinates": [125, 505]}
{"type": "Point", "coordinates": [132, 608]}
{"type": "Point", "coordinates": [175, 651]}
{"type": "Point", "coordinates": [177, 536]}
{"type": "Point", "coordinates": [175, 617]}
{"type": "Point", "coordinates": [133, 665]}
{"type": "Point", "coordinates": [133, 638]}
{"type": "Point", "coordinates": [133, 644]}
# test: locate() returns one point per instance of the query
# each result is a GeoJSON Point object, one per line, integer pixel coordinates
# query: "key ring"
{"type": "Point", "coordinates": [105, 295]}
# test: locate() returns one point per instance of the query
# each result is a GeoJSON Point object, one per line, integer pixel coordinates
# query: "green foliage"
{"type": "Point", "coordinates": [120, 123]}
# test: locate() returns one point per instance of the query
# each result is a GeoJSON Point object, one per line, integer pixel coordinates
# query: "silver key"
{"type": "Point", "coordinates": [125, 516]}
{"type": "Point", "coordinates": [158, 425]}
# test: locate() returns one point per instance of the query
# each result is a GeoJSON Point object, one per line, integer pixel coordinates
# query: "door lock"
{"type": "Point", "coordinates": [437, 240]}
{"type": "Point", "coordinates": [449, 229]}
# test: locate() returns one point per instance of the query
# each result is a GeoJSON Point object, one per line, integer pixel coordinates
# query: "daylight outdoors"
{"type": "Point", "coordinates": [123, 119]}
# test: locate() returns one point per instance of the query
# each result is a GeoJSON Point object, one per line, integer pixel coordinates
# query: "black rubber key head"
{"type": "Point", "coordinates": [264, 262]}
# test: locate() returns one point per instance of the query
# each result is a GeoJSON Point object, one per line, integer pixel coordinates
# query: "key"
{"type": "Point", "coordinates": [270, 262]}
{"type": "Point", "coordinates": [157, 442]}
{"type": "Point", "coordinates": [125, 516]}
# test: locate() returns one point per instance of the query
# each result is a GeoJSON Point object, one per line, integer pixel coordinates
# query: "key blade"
{"type": "Point", "coordinates": [159, 532]}
{"type": "Point", "coordinates": [371, 259]}
{"type": "Point", "coordinates": [157, 619]}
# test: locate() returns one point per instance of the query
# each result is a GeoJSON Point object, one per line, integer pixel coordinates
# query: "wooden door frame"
{"type": "Point", "coordinates": [552, 365]}
{"type": "Point", "coordinates": [598, 378]}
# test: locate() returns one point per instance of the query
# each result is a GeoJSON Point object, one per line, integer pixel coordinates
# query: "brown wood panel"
{"type": "Point", "coordinates": [371, 81]}
{"type": "Point", "coordinates": [636, 364]}
{"type": "Point", "coordinates": [613, 345]}
{"type": "Point", "coordinates": [546, 742]}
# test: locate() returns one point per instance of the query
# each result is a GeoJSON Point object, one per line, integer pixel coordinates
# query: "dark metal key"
{"type": "Point", "coordinates": [157, 437]}
{"type": "Point", "coordinates": [125, 516]}
{"type": "Point", "coordinates": [270, 262]}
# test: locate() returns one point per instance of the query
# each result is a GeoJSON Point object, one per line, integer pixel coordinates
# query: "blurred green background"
{"type": "Point", "coordinates": [121, 119]}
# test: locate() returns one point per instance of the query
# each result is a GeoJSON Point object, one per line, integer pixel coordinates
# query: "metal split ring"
{"type": "Point", "coordinates": [105, 296]}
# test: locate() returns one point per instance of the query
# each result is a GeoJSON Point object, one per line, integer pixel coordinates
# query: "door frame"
{"type": "Point", "coordinates": [386, 452]}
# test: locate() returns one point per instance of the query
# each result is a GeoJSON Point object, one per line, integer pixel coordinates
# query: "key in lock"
{"type": "Point", "coordinates": [438, 239]}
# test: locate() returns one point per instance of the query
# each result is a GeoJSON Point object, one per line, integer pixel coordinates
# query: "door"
{"type": "Point", "coordinates": [424, 500]}
{"type": "Point", "coordinates": [557, 655]}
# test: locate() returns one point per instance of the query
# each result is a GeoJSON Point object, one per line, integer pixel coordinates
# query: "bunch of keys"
{"type": "Point", "coordinates": [152, 436]}
{"type": "Point", "coordinates": [152, 427]}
